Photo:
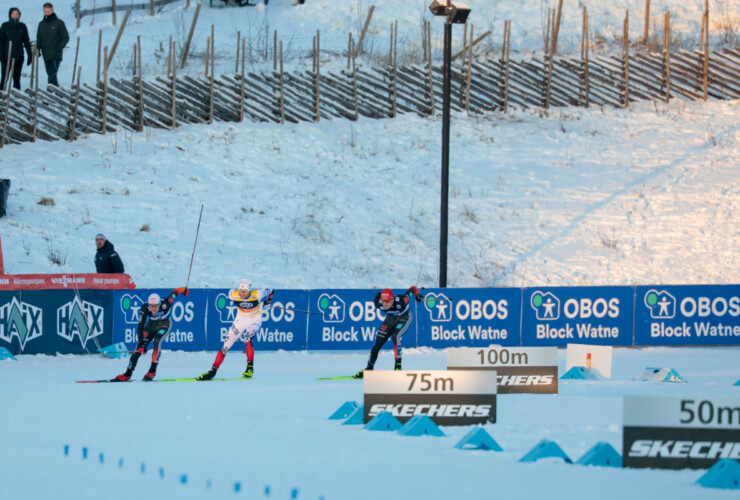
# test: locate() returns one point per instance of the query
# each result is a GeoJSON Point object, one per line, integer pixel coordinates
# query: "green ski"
{"type": "Point", "coordinates": [337, 378]}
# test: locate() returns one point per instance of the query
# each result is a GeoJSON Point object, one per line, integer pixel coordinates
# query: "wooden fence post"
{"type": "Point", "coordinates": [470, 72]}
{"type": "Point", "coordinates": [208, 55]}
{"type": "Point", "coordinates": [625, 57]}
{"type": "Point", "coordinates": [104, 109]}
{"type": "Point", "coordinates": [174, 89]}
{"type": "Point", "coordinates": [706, 55]}
{"type": "Point", "coordinates": [238, 48]}
{"type": "Point", "coordinates": [74, 68]}
{"type": "Point", "coordinates": [667, 54]}
{"type": "Point", "coordinates": [7, 105]}
{"type": "Point", "coordinates": [77, 13]}
{"type": "Point", "coordinates": [33, 65]}
{"type": "Point", "coordinates": [151, 7]}
{"type": "Point", "coordinates": [100, 47]}
{"type": "Point", "coordinates": [429, 67]}
{"type": "Point", "coordinates": [585, 57]}
{"type": "Point", "coordinates": [556, 28]}
{"type": "Point", "coordinates": [141, 85]}
{"type": "Point", "coordinates": [364, 30]}
{"type": "Point", "coordinates": [35, 94]}
{"type": "Point", "coordinates": [349, 48]}
{"type": "Point", "coordinates": [394, 59]}
{"type": "Point", "coordinates": [274, 50]}
{"type": "Point", "coordinates": [318, 70]}
{"type": "Point", "coordinates": [73, 126]}
{"type": "Point", "coordinates": [213, 74]}
{"type": "Point", "coordinates": [109, 59]}
{"type": "Point", "coordinates": [190, 37]}
{"type": "Point", "coordinates": [241, 90]}
{"type": "Point", "coordinates": [507, 43]}
{"type": "Point", "coordinates": [282, 88]}
{"type": "Point", "coordinates": [8, 72]}
{"type": "Point", "coordinates": [647, 22]}
{"type": "Point", "coordinates": [113, 11]}
{"type": "Point", "coordinates": [354, 84]}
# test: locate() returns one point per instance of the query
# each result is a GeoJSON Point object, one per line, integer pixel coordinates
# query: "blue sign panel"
{"type": "Point", "coordinates": [188, 319]}
{"type": "Point", "coordinates": [349, 320]}
{"type": "Point", "coordinates": [283, 326]}
{"type": "Point", "coordinates": [687, 315]}
{"type": "Point", "coordinates": [577, 315]}
{"type": "Point", "coordinates": [55, 321]}
{"type": "Point", "coordinates": [469, 317]}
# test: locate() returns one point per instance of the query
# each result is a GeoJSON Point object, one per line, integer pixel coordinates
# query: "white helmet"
{"type": "Point", "coordinates": [245, 285]}
{"type": "Point", "coordinates": [154, 300]}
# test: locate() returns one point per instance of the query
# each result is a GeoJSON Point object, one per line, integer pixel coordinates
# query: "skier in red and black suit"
{"type": "Point", "coordinates": [154, 323]}
{"type": "Point", "coordinates": [397, 310]}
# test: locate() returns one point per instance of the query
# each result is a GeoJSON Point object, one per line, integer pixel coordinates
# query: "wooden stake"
{"type": "Point", "coordinates": [7, 104]}
{"type": "Point", "coordinates": [100, 47]}
{"type": "Point", "coordinates": [274, 50]}
{"type": "Point", "coordinates": [318, 80]}
{"type": "Point", "coordinates": [546, 48]}
{"type": "Point", "coordinates": [34, 132]}
{"type": "Point", "coordinates": [647, 22]}
{"type": "Point", "coordinates": [77, 13]}
{"type": "Point", "coordinates": [585, 56]}
{"type": "Point", "coordinates": [507, 29]}
{"type": "Point", "coordinates": [476, 42]}
{"type": "Point", "coordinates": [141, 85]}
{"type": "Point", "coordinates": [238, 47]}
{"type": "Point", "coordinates": [364, 30]}
{"type": "Point", "coordinates": [282, 89]}
{"type": "Point", "coordinates": [113, 11]}
{"type": "Point", "coordinates": [470, 72]}
{"type": "Point", "coordinates": [151, 7]}
{"type": "Point", "coordinates": [354, 86]}
{"type": "Point", "coordinates": [706, 55]}
{"type": "Point", "coordinates": [33, 65]}
{"type": "Point", "coordinates": [556, 30]}
{"type": "Point", "coordinates": [8, 68]}
{"type": "Point", "coordinates": [190, 37]}
{"type": "Point", "coordinates": [241, 89]}
{"type": "Point", "coordinates": [104, 109]}
{"type": "Point", "coordinates": [174, 89]}
{"type": "Point", "coordinates": [701, 33]}
{"type": "Point", "coordinates": [667, 54]}
{"type": "Point", "coordinates": [349, 49]}
{"type": "Point", "coordinates": [394, 62]}
{"type": "Point", "coordinates": [170, 60]}
{"type": "Point", "coordinates": [213, 74]}
{"type": "Point", "coordinates": [73, 126]}
{"type": "Point", "coordinates": [109, 59]}
{"type": "Point", "coordinates": [74, 68]}
{"type": "Point", "coordinates": [625, 58]}
{"type": "Point", "coordinates": [429, 67]}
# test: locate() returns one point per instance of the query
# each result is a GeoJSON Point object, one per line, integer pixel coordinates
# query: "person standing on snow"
{"type": "Point", "coordinates": [51, 38]}
{"type": "Point", "coordinates": [249, 303]}
{"type": "Point", "coordinates": [107, 260]}
{"type": "Point", "coordinates": [13, 32]}
{"type": "Point", "coordinates": [397, 310]}
{"type": "Point", "coordinates": [154, 324]}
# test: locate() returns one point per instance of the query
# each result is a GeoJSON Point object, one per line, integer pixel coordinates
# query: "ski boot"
{"type": "Point", "coordinates": [360, 374]}
{"type": "Point", "coordinates": [397, 366]}
{"type": "Point", "coordinates": [124, 377]}
{"type": "Point", "coordinates": [151, 373]}
{"type": "Point", "coordinates": [207, 375]}
{"type": "Point", "coordinates": [249, 372]}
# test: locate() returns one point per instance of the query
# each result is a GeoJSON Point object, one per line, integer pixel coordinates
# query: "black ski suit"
{"type": "Point", "coordinates": [14, 32]}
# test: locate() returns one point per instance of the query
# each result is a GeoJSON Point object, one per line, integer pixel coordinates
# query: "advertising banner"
{"type": "Point", "coordinates": [687, 315]}
{"type": "Point", "coordinates": [348, 319]}
{"type": "Point", "coordinates": [470, 317]}
{"type": "Point", "coordinates": [55, 321]}
{"type": "Point", "coordinates": [680, 433]}
{"type": "Point", "coordinates": [283, 326]}
{"type": "Point", "coordinates": [583, 315]}
{"type": "Point", "coordinates": [187, 320]}
{"type": "Point", "coordinates": [71, 281]}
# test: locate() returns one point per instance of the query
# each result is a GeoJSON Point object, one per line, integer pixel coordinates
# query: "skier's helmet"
{"type": "Point", "coordinates": [386, 295]}
{"type": "Point", "coordinates": [245, 285]}
{"type": "Point", "coordinates": [154, 300]}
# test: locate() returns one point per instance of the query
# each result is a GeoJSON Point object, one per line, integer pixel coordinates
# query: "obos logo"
{"type": "Point", "coordinates": [545, 305]}
{"type": "Point", "coordinates": [226, 309]}
{"type": "Point", "coordinates": [333, 308]}
{"type": "Point", "coordinates": [439, 307]}
{"type": "Point", "coordinates": [83, 319]}
{"type": "Point", "coordinates": [662, 304]}
{"type": "Point", "coordinates": [131, 308]}
{"type": "Point", "coordinates": [18, 319]}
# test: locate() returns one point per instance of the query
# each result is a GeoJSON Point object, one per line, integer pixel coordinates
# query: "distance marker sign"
{"type": "Point", "coordinates": [519, 369]}
{"type": "Point", "coordinates": [458, 397]}
{"type": "Point", "coordinates": [680, 433]}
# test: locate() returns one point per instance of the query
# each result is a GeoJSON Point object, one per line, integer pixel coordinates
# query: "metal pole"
{"type": "Point", "coordinates": [445, 150]}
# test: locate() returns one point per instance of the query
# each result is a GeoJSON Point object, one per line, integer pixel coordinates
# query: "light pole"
{"type": "Point", "coordinates": [454, 13]}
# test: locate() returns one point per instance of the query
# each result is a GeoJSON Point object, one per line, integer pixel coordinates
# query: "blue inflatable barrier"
{"type": "Point", "coordinates": [724, 474]}
{"type": "Point", "coordinates": [545, 449]}
{"type": "Point", "coordinates": [601, 455]}
{"type": "Point", "coordinates": [5, 354]}
{"type": "Point", "coordinates": [478, 439]}
{"type": "Point", "coordinates": [357, 417]}
{"type": "Point", "coordinates": [344, 411]}
{"type": "Point", "coordinates": [420, 425]}
{"type": "Point", "coordinates": [578, 373]}
{"type": "Point", "coordinates": [383, 421]}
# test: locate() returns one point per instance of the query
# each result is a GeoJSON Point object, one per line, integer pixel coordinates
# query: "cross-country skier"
{"type": "Point", "coordinates": [249, 303]}
{"type": "Point", "coordinates": [154, 323]}
{"type": "Point", "coordinates": [397, 310]}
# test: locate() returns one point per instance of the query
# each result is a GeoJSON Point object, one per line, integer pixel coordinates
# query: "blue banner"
{"type": "Point", "coordinates": [577, 315]}
{"type": "Point", "coordinates": [55, 321]}
{"type": "Point", "coordinates": [188, 319]}
{"type": "Point", "coordinates": [349, 319]}
{"type": "Point", "coordinates": [282, 326]}
{"type": "Point", "coordinates": [469, 317]}
{"type": "Point", "coordinates": [687, 315]}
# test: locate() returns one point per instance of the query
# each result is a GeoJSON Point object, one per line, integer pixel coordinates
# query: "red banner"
{"type": "Point", "coordinates": [66, 281]}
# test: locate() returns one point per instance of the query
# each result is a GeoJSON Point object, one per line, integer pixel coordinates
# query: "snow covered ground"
{"type": "Point", "coordinates": [273, 432]}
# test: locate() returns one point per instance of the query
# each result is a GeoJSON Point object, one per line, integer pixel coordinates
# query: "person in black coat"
{"type": "Point", "coordinates": [13, 32]}
{"type": "Point", "coordinates": [107, 260]}
{"type": "Point", "coordinates": [51, 38]}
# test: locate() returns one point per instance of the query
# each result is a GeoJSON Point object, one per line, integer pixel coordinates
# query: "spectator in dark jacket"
{"type": "Point", "coordinates": [51, 38]}
{"type": "Point", "coordinates": [106, 259]}
{"type": "Point", "coordinates": [13, 32]}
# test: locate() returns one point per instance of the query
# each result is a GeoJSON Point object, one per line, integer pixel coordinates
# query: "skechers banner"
{"type": "Point", "coordinates": [459, 397]}
{"type": "Point", "coordinates": [687, 315]}
{"type": "Point", "coordinates": [48, 322]}
{"type": "Point", "coordinates": [473, 317]}
{"type": "Point", "coordinates": [679, 433]}
{"type": "Point", "coordinates": [584, 315]}
{"type": "Point", "coordinates": [520, 369]}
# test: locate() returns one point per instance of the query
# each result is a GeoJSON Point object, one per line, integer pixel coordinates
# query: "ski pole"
{"type": "Point", "coordinates": [194, 243]}
{"type": "Point", "coordinates": [297, 310]}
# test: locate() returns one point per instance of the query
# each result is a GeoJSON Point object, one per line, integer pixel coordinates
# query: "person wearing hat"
{"type": "Point", "coordinates": [397, 309]}
{"type": "Point", "coordinates": [13, 32]}
{"type": "Point", "coordinates": [248, 302]}
{"type": "Point", "coordinates": [107, 260]}
{"type": "Point", "coordinates": [154, 324]}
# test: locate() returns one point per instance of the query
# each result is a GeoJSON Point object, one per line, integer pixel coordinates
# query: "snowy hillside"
{"type": "Point", "coordinates": [565, 197]}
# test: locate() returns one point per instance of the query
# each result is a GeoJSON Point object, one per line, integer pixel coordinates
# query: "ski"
{"type": "Point", "coordinates": [158, 380]}
{"type": "Point", "coordinates": [337, 378]}
{"type": "Point", "coordinates": [100, 381]}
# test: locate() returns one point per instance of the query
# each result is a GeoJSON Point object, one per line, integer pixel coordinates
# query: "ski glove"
{"type": "Point", "coordinates": [268, 301]}
{"type": "Point", "coordinates": [180, 290]}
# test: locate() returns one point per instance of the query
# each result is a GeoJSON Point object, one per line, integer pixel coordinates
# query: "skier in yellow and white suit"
{"type": "Point", "coordinates": [249, 303]}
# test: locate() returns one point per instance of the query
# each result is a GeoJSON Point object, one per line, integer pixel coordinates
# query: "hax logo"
{"type": "Point", "coordinates": [662, 304]}
{"type": "Point", "coordinates": [83, 319]}
{"type": "Point", "coordinates": [333, 308]}
{"type": "Point", "coordinates": [439, 306]}
{"type": "Point", "coordinates": [546, 305]}
{"type": "Point", "coordinates": [226, 309]}
{"type": "Point", "coordinates": [131, 307]}
{"type": "Point", "coordinates": [18, 319]}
